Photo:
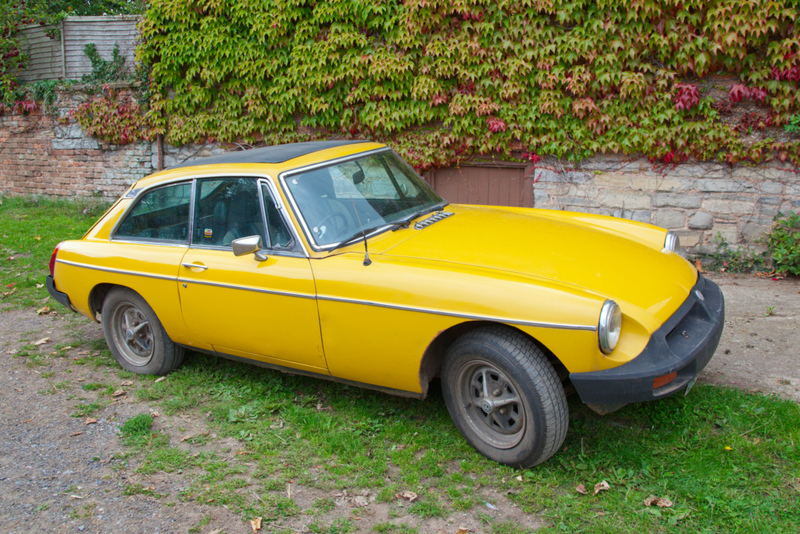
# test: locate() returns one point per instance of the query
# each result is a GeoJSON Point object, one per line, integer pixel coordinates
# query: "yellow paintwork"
{"type": "Point", "coordinates": [372, 324]}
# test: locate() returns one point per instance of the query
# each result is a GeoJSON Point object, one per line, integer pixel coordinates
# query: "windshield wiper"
{"type": "Point", "coordinates": [360, 233]}
{"type": "Point", "coordinates": [406, 221]}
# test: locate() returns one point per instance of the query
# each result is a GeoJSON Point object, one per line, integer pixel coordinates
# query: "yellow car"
{"type": "Point", "coordinates": [335, 259]}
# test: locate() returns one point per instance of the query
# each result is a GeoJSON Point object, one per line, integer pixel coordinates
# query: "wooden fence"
{"type": "Point", "coordinates": [64, 58]}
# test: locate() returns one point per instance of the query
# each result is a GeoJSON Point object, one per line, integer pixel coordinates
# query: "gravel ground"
{"type": "Point", "coordinates": [61, 473]}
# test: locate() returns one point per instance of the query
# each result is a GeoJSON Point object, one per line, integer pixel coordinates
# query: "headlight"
{"type": "Point", "coordinates": [672, 243]}
{"type": "Point", "coordinates": [609, 326]}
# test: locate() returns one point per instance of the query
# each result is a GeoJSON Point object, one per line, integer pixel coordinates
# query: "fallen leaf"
{"type": "Point", "coordinates": [37, 237]}
{"type": "Point", "coordinates": [580, 488]}
{"type": "Point", "coordinates": [699, 266]}
{"type": "Point", "coordinates": [42, 341]}
{"type": "Point", "coordinates": [216, 531]}
{"type": "Point", "coordinates": [39, 286]}
{"type": "Point", "coordinates": [29, 420]}
{"type": "Point", "coordinates": [75, 434]}
{"type": "Point", "coordinates": [728, 448]}
{"type": "Point", "coordinates": [601, 486]}
{"type": "Point", "coordinates": [75, 497]}
{"type": "Point", "coordinates": [410, 496]}
{"type": "Point", "coordinates": [90, 421]}
{"type": "Point", "coordinates": [519, 478]}
{"type": "Point", "coordinates": [43, 310]}
{"type": "Point", "coordinates": [360, 501]}
{"type": "Point", "coordinates": [661, 502]}
{"type": "Point", "coordinates": [118, 393]}
{"type": "Point", "coordinates": [126, 383]}
{"type": "Point", "coordinates": [462, 530]}
{"type": "Point", "coordinates": [68, 347]}
{"type": "Point", "coordinates": [160, 379]}
{"type": "Point", "coordinates": [7, 293]}
{"type": "Point", "coordinates": [255, 524]}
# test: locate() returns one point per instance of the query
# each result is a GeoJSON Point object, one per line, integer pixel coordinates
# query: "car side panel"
{"type": "Point", "coordinates": [378, 320]}
{"type": "Point", "coordinates": [150, 270]}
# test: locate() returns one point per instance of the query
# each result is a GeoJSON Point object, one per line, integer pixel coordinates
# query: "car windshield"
{"type": "Point", "coordinates": [366, 193]}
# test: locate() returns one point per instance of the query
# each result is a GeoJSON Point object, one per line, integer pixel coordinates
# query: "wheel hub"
{"type": "Point", "coordinates": [129, 334]}
{"type": "Point", "coordinates": [486, 405]}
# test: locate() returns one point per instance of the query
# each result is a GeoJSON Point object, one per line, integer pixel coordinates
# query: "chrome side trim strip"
{"type": "Point", "coordinates": [247, 288]}
{"type": "Point", "coordinates": [521, 322]}
{"type": "Point", "coordinates": [560, 326]}
{"type": "Point", "coordinates": [116, 271]}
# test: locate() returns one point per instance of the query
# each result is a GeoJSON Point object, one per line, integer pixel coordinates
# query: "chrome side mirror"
{"type": "Point", "coordinates": [248, 245]}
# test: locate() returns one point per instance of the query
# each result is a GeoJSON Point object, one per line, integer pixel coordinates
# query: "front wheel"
{"type": "Point", "coordinates": [505, 397]}
{"type": "Point", "coordinates": [135, 335]}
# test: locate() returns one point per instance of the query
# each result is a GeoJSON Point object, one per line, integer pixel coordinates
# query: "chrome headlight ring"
{"type": "Point", "coordinates": [672, 242]}
{"type": "Point", "coordinates": [609, 326]}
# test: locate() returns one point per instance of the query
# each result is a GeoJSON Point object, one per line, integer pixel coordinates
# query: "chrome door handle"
{"type": "Point", "coordinates": [195, 266]}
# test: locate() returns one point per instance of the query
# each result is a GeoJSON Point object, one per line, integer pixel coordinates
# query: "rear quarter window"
{"type": "Point", "coordinates": [159, 215]}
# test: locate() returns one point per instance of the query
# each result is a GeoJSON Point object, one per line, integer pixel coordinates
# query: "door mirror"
{"type": "Point", "coordinates": [248, 245]}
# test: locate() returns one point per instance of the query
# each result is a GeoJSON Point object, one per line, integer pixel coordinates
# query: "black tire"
{"type": "Point", "coordinates": [504, 396]}
{"type": "Point", "coordinates": [135, 335]}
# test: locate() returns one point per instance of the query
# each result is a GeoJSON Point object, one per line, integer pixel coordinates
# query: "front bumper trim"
{"type": "Point", "coordinates": [684, 345]}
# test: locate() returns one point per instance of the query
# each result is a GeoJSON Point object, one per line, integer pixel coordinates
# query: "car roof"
{"type": "Point", "coordinates": [269, 154]}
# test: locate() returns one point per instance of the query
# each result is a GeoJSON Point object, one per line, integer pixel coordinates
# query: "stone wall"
{"type": "Point", "coordinates": [48, 154]}
{"type": "Point", "coordinates": [699, 200]}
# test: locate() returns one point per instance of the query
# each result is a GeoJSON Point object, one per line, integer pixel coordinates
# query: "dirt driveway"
{"type": "Point", "coordinates": [62, 473]}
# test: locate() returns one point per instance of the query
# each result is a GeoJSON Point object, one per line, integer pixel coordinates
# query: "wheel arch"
{"type": "Point", "coordinates": [433, 357]}
{"type": "Point", "coordinates": [98, 295]}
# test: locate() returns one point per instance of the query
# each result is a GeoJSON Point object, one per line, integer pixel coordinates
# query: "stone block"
{"type": "Point", "coordinates": [661, 200]}
{"type": "Point", "coordinates": [772, 188]}
{"type": "Point", "coordinates": [758, 174]}
{"type": "Point", "coordinates": [86, 143]}
{"type": "Point", "coordinates": [793, 190]}
{"type": "Point", "coordinates": [624, 200]}
{"type": "Point", "coordinates": [754, 232]}
{"type": "Point", "coordinates": [728, 207]}
{"type": "Point", "coordinates": [614, 181]}
{"type": "Point", "coordinates": [724, 186]}
{"type": "Point", "coordinates": [771, 201]}
{"type": "Point", "coordinates": [727, 231]}
{"type": "Point", "coordinates": [670, 219]}
{"type": "Point", "coordinates": [701, 221]}
{"type": "Point", "coordinates": [689, 238]}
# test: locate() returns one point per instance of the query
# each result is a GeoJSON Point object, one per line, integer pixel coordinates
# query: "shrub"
{"type": "Point", "coordinates": [784, 244]}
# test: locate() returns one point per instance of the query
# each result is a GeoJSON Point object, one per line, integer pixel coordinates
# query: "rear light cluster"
{"type": "Point", "coordinates": [53, 260]}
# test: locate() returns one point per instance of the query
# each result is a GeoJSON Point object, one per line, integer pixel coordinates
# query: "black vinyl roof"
{"type": "Point", "coordinates": [267, 154]}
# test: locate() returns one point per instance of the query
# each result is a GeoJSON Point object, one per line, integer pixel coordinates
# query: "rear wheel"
{"type": "Point", "coordinates": [135, 335]}
{"type": "Point", "coordinates": [505, 397]}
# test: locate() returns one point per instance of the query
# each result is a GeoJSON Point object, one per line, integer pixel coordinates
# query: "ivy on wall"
{"type": "Point", "coordinates": [442, 81]}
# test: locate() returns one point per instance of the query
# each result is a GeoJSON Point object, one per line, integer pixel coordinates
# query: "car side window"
{"type": "Point", "coordinates": [226, 209]}
{"type": "Point", "coordinates": [160, 215]}
{"type": "Point", "coordinates": [279, 234]}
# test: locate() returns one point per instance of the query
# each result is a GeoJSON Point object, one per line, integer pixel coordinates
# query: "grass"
{"type": "Point", "coordinates": [727, 460]}
{"type": "Point", "coordinates": [30, 228]}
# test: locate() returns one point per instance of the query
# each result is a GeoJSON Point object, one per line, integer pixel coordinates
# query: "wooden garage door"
{"type": "Point", "coordinates": [493, 186]}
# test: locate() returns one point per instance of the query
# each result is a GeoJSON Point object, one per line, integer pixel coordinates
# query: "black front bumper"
{"type": "Point", "coordinates": [63, 298]}
{"type": "Point", "coordinates": [684, 344]}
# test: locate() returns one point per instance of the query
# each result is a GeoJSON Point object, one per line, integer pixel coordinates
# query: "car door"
{"type": "Point", "coordinates": [263, 310]}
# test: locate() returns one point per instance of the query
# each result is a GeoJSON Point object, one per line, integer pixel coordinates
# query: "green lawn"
{"type": "Point", "coordinates": [728, 461]}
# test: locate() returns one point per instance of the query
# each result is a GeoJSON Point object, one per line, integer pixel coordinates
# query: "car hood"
{"type": "Point", "coordinates": [613, 258]}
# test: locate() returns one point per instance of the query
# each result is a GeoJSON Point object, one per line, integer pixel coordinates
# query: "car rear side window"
{"type": "Point", "coordinates": [160, 215]}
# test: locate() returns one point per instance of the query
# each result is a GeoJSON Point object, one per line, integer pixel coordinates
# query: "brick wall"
{"type": "Point", "coordinates": [39, 155]}
{"type": "Point", "coordinates": [42, 155]}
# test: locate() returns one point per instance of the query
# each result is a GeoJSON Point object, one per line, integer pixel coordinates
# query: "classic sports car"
{"type": "Point", "coordinates": [335, 259]}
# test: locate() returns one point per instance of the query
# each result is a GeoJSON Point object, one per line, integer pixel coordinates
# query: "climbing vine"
{"type": "Point", "coordinates": [443, 81]}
